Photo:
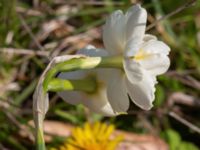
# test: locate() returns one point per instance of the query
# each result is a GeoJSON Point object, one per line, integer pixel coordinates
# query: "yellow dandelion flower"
{"type": "Point", "coordinates": [95, 136]}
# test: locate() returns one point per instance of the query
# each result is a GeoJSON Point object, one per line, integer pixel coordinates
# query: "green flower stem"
{"type": "Point", "coordinates": [111, 62]}
{"type": "Point", "coordinates": [87, 85]}
{"type": "Point", "coordinates": [83, 63]}
{"type": "Point", "coordinates": [40, 139]}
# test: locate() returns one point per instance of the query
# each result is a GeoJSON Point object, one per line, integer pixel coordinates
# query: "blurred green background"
{"type": "Point", "coordinates": [34, 31]}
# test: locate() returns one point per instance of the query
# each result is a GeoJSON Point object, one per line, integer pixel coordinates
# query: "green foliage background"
{"type": "Point", "coordinates": [179, 31]}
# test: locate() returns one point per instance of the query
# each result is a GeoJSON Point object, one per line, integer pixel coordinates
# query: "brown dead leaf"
{"type": "Point", "coordinates": [57, 28]}
{"type": "Point", "coordinates": [72, 43]}
{"type": "Point", "coordinates": [134, 141]}
{"type": "Point", "coordinates": [56, 128]}
{"type": "Point", "coordinates": [184, 99]}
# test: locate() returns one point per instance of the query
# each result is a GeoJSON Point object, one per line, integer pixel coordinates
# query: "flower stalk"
{"type": "Point", "coordinates": [48, 82]}
{"type": "Point", "coordinates": [40, 139]}
{"type": "Point", "coordinates": [88, 85]}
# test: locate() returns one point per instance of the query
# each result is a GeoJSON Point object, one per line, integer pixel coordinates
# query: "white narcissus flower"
{"type": "Point", "coordinates": [97, 101]}
{"type": "Point", "coordinates": [144, 58]}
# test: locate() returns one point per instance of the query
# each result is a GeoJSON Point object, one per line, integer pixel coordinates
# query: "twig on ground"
{"type": "Point", "coordinates": [184, 99]}
{"type": "Point", "coordinates": [27, 28]}
{"type": "Point", "coordinates": [5, 107]}
{"type": "Point", "coordinates": [179, 9]}
{"type": "Point", "coordinates": [78, 41]}
{"type": "Point", "coordinates": [28, 12]}
{"type": "Point", "coordinates": [97, 3]}
{"type": "Point", "coordinates": [24, 52]}
{"type": "Point", "coordinates": [2, 147]}
{"type": "Point", "coordinates": [185, 122]}
{"type": "Point", "coordinates": [147, 124]}
{"type": "Point", "coordinates": [186, 79]}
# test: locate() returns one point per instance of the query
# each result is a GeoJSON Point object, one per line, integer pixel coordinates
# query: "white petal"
{"type": "Point", "coordinates": [114, 33]}
{"type": "Point", "coordinates": [142, 93]}
{"type": "Point", "coordinates": [72, 97]}
{"type": "Point", "coordinates": [132, 70]}
{"type": "Point", "coordinates": [98, 102]}
{"type": "Point", "coordinates": [95, 102]}
{"type": "Point", "coordinates": [148, 37]}
{"type": "Point", "coordinates": [156, 60]}
{"type": "Point", "coordinates": [135, 29]}
{"type": "Point", "coordinates": [155, 47]}
{"type": "Point", "coordinates": [90, 50]}
{"type": "Point", "coordinates": [116, 92]}
{"type": "Point", "coordinates": [156, 64]}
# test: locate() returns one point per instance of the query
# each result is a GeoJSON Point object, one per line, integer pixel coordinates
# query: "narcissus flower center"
{"type": "Point", "coordinates": [141, 55]}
